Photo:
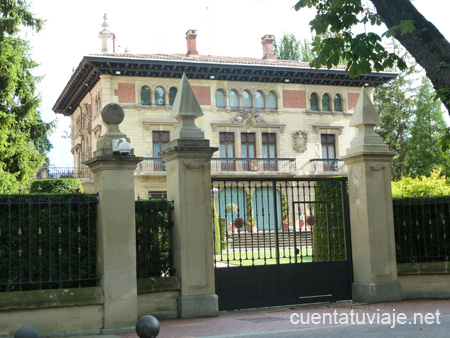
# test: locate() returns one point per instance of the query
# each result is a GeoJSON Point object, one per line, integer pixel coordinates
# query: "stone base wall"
{"type": "Point", "coordinates": [425, 286]}
{"type": "Point", "coordinates": [51, 311]}
{"type": "Point", "coordinates": [63, 310]}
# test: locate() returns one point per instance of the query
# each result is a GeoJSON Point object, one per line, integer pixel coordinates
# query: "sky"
{"type": "Point", "coordinates": [225, 28]}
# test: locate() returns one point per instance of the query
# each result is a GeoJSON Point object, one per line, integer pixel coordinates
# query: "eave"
{"type": "Point", "coordinates": [88, 74]}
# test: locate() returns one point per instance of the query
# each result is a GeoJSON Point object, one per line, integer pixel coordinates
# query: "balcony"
{"type": "Point", "coordinates": [226, 165]}
{"type": "Point", "coordinates": [328, 166]}
{"type": "Point", "coordinates": [151, 165]}
{"type": "Point", "coordinates": [62, 172]}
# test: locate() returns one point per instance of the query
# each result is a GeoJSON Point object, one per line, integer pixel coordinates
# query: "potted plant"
{"type": "Point", "coordinates": [231, 208]}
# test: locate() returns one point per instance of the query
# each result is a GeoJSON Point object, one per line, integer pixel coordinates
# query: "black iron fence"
{"type": "Point", "coordinates": [279, 220]}
{"type": "Point", "coordinates": [422, 227]}
{"type": "Point", "coordinates": [47, 241]}
{"type": "Point", "coordinates": [154, 256]}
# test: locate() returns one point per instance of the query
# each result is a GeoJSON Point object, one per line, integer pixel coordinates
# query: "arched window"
{"type": "Point", "coordinates": [233, 99]}
{"type": "Point", "coordinates": [313, 102]}
{"type": "Point", "coordinates": [259, 100]}
{"type": "Point", "coordinates": [325, 102]}
{"type": "Point", "coordinates": [159, 96]}
{"type": "Point", "coordinates": [145, 95]}
{"type": "Point", "coordinates": [220, 98]}
{"type": "Point", "coordinates": [172, 94]}
{"type": "Point", "coordinates": [246, 99]}
{"type": "Point", "coordinates": [272, 101]}
{"type": "Point", "coordinates": [337, 102]}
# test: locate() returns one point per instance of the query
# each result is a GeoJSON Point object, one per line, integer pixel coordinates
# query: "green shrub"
{"type": "Point", "coordinates": [329, 230]}
{"type": "Point", "coordinates": [422, 226]}
{"type": "Point", "coordinates": [154, 257]}
{"type": "Point", "coordinates": [47, 241]}
{"type": "Point", "coordinates": [223, 224]}
{"type": "Point", "coordinates": [434, 185]}
{"type": "Point", "coordinates": [51, 186]}
{"type": "Point", "coordinates": [216, 230]}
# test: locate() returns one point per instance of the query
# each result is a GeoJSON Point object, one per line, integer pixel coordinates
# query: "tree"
{"type": "Point", "coordinates": [364, 51]}
{"type": "Point", "coordinates": [288, 48]}
{"type": "Point", "coordinates": [394, 101]}
{"type": "Point", "coordinates": [306, 53]}
{"type": "Point", "coordinates": [423, 152]}
{"type": "Point", "coordinates": [22, 131]}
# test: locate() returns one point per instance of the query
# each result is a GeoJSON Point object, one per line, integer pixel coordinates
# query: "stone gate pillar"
{"type": "Point", "coordinates": [116, 231]}
{"type": "Point", "coordinates": [188, 158]}
{"type": "Point", "coordinates": [371, 214]}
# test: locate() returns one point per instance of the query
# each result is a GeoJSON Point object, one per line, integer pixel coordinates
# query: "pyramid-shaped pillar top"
{"type": "Point", "coordinates": [365, 118]}
{"type": "Point", "coordinates": [365, 112]}
{"type": "Point", "coordinates": [186, 109]}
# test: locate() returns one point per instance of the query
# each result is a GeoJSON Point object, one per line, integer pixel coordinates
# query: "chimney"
{"type": "Point", "coordinates": [191, 36]}
{"type": "Point", "coordinates": [267, 42]}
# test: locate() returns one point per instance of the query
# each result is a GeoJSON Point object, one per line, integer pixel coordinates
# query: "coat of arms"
{"type": "Point", "coordinates": [300, 141]}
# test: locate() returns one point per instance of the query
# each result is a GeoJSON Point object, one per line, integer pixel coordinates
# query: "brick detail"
{"type": "Point", "coordinates": [294, 99]}
{"type": "Point", "coordinates": [125, 92]}
{"type": "Point", "coordinates": [352, 99]}
{"type": "Point", "coordinates": [203, 94]}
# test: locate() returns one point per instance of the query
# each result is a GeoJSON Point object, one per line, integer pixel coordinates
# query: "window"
{"type": "Point", "coordinates": [313, 102]}
{"type": "Point", "coordinates": [337, 102]}
{"type": "Point", "coordinates": [220, 98]}
{"type": "Point", "coordinates": [272, 101]}
{"type": "Point", "coordinates": [248, 141]}
{"type": "Point", "coordinates": [259, 100]}
{"type": "Point", "coordinates": [160, 140]}
{"type": "Point", "coordinates": [326, 102]}
{"type": "Point", "coordinates": [269, 146]}
{"type": "Point", "coordinates": [227, 151]}
{"type": "Point", "coordinates": [233, 99]}
{"type": "Point", "coordinates": [172, 94]}
{"type": "Point", "coordinates": [246, 99]}
{"type": "Point", "coordinates": [159, 96]}
{"type": "Point", "coordinates": [145, 95]}
{"type": "Point", "coordinates": [328, 151]}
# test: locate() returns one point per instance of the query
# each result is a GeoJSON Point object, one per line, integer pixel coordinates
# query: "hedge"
{"type": "Point", "coordinates": [52, 186]}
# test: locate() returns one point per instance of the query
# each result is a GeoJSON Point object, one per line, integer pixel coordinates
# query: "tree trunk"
{"type": "Point", "coordinates": [426, 43]}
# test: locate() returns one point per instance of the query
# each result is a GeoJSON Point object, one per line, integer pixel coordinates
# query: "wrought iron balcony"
{"type": "Point", "coordinates": [332, 166]}
{"type": "Point", "coordinates": [222, 164]}
{"type": "Point", "coordinates": [62, 172]}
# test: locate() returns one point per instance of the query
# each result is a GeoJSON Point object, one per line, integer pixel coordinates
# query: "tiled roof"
{"type": "Point", "coordinates": [216, 59]}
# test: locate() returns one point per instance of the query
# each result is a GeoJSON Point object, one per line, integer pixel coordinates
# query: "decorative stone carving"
{"type": "Point", "coordinates": [300, 141]}
{"type": "Point", "coordinates": [249, 115]}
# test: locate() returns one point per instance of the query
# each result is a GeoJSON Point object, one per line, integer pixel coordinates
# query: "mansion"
{"type": "Point", "coordinates": [268, 117]}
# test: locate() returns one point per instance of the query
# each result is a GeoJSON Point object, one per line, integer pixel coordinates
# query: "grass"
{"type": "Point", "coordinates": [263, 257]}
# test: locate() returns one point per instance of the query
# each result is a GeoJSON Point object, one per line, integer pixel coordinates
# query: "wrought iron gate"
{"type": "Point", "coordinates": [281, 241]}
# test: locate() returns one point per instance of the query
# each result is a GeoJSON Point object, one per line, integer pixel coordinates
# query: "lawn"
{"type": "Point", "coordinates": [263, 256]}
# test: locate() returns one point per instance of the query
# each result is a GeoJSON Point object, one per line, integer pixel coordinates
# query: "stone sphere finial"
{"type": "Point", "coordinates": [27, 331]}
{"type": "Point", "coordinates": [147, 327]}
{"type": "Point", "coordinates": [113, 113]}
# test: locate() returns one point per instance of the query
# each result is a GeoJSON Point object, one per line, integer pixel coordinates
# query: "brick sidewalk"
{"type": "Point", "coordinates": [275, 322]}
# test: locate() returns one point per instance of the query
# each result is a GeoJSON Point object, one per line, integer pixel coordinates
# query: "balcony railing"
{"type": "Point", "coordinates": [222, 164]}
{"type": "Point", "coordinates": [156, 165]}
{"type": "Point", "coordinates": [151, 165]}
{"type": "Point", "coordinates": [62, 172]}
{"type": "Point", "coordinates": [327, 166]}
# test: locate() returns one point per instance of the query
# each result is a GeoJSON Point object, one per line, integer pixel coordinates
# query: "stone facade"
{"type": "Point", "coordinates": [282, 97]}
